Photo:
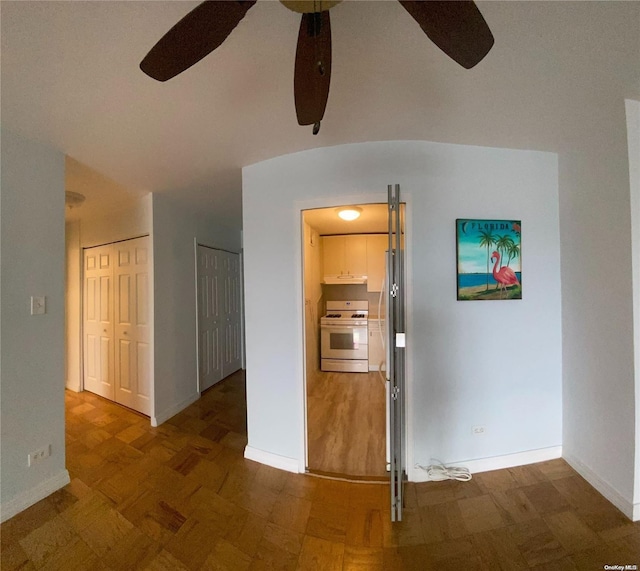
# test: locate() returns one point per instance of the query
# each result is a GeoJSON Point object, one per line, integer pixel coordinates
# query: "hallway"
{"type": "Point", "coordinates": [182, 497]}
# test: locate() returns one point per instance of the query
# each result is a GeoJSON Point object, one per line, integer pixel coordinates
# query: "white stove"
{"type": "Point", "coordinates": [345, 337]}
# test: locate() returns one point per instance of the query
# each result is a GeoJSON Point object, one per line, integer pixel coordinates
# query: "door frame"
{"type": "Point", "coordinates": [335, 202]}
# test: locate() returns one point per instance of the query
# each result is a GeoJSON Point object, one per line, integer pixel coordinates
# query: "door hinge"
{"type": "Point", "coordinates": [395, 393]}
{"type": "Point", "coordinates": [394, 290]}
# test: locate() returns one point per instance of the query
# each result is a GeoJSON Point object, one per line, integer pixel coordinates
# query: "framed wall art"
{"type": "Point", "coordinates": [489, 259]}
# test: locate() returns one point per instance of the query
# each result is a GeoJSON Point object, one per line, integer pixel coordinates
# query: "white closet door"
{"type": "Point", "coordinates": [98, 321]}
{"type": "Point", "coordinates": [232, 313]}
{"type": "Point", "coordinates": [209, 319]}
{"type": "Point", "coordinates": [131, 324]}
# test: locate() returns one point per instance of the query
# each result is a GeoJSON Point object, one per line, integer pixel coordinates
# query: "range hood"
{"type": "Point", "coordinates": [344, 279]}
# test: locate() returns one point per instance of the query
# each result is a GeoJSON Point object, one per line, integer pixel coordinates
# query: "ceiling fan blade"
{"type": "Point", "coordinates": [199, 33]}
{"type": "Point", "coordinates": [455, 26]}
{"type": "Point", "coordinates": [313, 67]}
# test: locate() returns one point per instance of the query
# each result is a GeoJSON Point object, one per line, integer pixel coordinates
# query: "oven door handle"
{"type": "Point", "coordinates": [343, 326]}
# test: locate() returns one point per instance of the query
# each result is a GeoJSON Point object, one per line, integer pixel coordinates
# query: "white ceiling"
{"type": "Point", "coordinates": [70, 78]}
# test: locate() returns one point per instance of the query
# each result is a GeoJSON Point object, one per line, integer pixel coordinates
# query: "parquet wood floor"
{"type": "Point", "coordinates": [182, 497]}
{"type": "Point", "coordinates": [346, 424]}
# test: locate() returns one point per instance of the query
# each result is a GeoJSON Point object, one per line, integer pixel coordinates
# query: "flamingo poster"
{"type": "Point", "coordinates": [489, 259]}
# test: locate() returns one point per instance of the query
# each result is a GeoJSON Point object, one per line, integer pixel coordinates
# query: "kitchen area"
{"type": "Point", "coordinates": [344, 277]}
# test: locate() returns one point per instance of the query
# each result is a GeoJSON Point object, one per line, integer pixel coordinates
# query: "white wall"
{"type": "Point", "coordinates": [597, 319]}
{"type": "Point", "coordinates": [32, 246]}
{"type": "Point", "coordinates": [494, 363]}
{"type": "Point", "coordinates": [175, 227]}
{"type": "Point", "coordinates": [122, 222]}
{"type": "Point", "coordinates": [633, 142]}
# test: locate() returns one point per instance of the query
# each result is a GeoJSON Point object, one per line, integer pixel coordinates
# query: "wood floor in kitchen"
{"type": "Point", "coordinates": [346, 424]}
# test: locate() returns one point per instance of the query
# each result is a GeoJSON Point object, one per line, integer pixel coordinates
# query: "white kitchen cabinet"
{"type": "Point", "coordinates": [376, 347]}
{"type": "Point", "coordinates": [345, 255]}
{"type": "Point", "coordinates": [333, 255]}
{"type": "Point", "coordinates": [377, 245]}
{"type": "Point", "coordinates": [355, 253]}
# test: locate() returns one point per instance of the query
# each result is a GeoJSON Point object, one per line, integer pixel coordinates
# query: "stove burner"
{"type": "Point", "coordinates": [358, 315]}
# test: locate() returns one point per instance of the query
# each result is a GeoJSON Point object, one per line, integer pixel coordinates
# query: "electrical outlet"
{"type": "Point", "coordinates": [38, 455]}
{"type": "Point", "coordinates": [477, 430]}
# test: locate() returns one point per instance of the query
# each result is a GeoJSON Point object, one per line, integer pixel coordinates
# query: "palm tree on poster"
{"type": "Point", "coordinates": [513, 252]}
{"type": "Point", "coordinates": [487, 239]}
{"type": "Point", "coordinates": [503, 245]}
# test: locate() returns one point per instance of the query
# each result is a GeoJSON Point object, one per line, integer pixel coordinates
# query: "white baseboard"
{"type": "Point", "coordinates": [607, 490]}
{"type": "Point", "coordinates": [27, 499]}
{"type": "Point", "coordinates": [495, 462]}
{"type": "Point", "coordinates": [165, 415]}
{"type": "Point", "coordinates": [270, 459]}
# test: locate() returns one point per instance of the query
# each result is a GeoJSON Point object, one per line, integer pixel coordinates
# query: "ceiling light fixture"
{"type": "Point", "coordinates": [350, 213]}
{"type": "Point", "coordinates": [73, 199]}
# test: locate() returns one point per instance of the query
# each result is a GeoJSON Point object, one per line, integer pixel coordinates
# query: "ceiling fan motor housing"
{"type": "Point", "coordinates": [309, 6]}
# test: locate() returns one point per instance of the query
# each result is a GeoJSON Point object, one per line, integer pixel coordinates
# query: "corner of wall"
{"type": "Point", "coordinates": [273, 460]}
{"type": "Point", "coordinates": [633, 141]}
{"type": "Point", "coordinates": [625, 505]}
{"type": "Point", "coordinates": [163, 416]}
{"type": "Point", "coordinates": [32, 496]}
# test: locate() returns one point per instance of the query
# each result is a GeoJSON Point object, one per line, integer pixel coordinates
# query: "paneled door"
{"type": "Point", "coordinates": [210, 269]}
{"type": "Point", "coordinates": [117, 356]}
{"type": "Point", "coordinates": [219, 315]}
{"type": "Point", "coordinates": [131, 324]}
{"type": "Point", "coordinates": [232, 315]}
{"type": "Point", "coordinates": [98, 321]}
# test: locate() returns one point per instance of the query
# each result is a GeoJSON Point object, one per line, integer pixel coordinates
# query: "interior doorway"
{"type": "Point", "coordinates": [344, 329]}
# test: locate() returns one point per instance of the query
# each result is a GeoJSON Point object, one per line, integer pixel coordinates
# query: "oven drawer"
{"type": "Point", "coordinates": [345, 365]}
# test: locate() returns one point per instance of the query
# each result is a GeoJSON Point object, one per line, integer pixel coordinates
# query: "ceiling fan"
{"type": "Point", "coordinates": [455, 26]}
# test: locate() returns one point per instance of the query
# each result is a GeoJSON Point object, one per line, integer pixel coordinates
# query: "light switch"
{"type": "Point", "coordinates": [38, 304]}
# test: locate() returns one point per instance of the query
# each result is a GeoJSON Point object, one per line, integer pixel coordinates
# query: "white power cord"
{"type": "Point", "coordinates": [439, 472]}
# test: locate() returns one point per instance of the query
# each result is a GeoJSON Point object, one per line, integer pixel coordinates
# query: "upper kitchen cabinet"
{"type": "Point", "coordinates": [377, 245]}
{"type": "Point", "coordinates": [356, 255]}
{"type": "Point", "coordinates": [345, 255]}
